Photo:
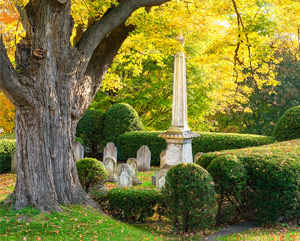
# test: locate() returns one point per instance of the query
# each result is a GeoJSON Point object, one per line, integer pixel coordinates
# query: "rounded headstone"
{"type": "Point", "coordinates": [124, 175]}
{"type": "Point", "coordinates": [143, 158]}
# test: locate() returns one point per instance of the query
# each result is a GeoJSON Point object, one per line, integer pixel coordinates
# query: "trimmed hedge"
{"type": "Point", "coordinates": [288, 126]}
{"type": "Point", "coordinates": [119, 119]}
{"type": "Point", "coordinates": [129, 143]}
{"type": "Point", "coordinates": [7, 147]}
{"type": "Point", "coordinates": [273, 174]}
{"type": "Point", "coordinates": [132, 205]}
{"type": "Point", "coordinates": [190, 198]}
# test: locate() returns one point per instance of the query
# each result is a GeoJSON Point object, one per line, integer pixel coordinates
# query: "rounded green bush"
{"type": "Point", "coordinates": [190, 197]}
{"type": "Point", "coordinates": [90, 172]}
{"type": "Point", "coordinates": [119, 119]}
{"type": "Point", "coordinates": [132, 205]}
{"type": "Point", "coordinates": [90, 129]}
{"type": "Point", "coordinates": [288, 126]}
{"type": "Point", "coordinates": [229, 175]}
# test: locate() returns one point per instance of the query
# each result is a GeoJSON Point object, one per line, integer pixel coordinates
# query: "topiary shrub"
{"type": "Point", "coordinates": [190, 197]}
{"type": "Point", "coordinates": [230, 178]}
{"type": "Point", "coordinates": [90, 172]}
{"type": "Point", "coordinates": [288, 126]}
{"type": "Point", "coordinates": [272, 189]}
{"type": "Point", "coordinates": [274, 184]}
{"type": "Point", "coordinates": [119, 119]}
{"type": "Point", "coordinates": [7, 147]}
{"type": "Point", "coordinates": [132, 205]}
{"type": "Point", "coordinates": [228, 174]}
{"type": "Point", "coordinates": [90, 129]}
{"type": "Point", "coordinates": [205, 159]}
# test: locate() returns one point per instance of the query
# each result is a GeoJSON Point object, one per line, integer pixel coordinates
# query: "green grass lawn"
{"type": "Point", "coordinates": [84, 223]}
{"type": "Point", "coordinates": [74, 223]}
{"type": "Point", "coordinates": [272, 234]}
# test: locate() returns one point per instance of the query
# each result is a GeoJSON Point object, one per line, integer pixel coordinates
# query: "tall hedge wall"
{"type": "Point", "coordinates": [7, 147]}
{"type": "Point", "coordinates": [129, 143]}
{"type": "Point", "coordinates": [273, 174]}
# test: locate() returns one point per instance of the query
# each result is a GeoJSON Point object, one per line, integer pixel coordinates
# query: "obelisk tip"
{"type": "Point", "coordinates": [181, 40]}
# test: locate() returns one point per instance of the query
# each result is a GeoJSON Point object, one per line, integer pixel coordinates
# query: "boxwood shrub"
{"type": "Point", "coordinates": [90, 172]}
{"type": "Point", "coordinates": [132, 205]}
{"type": "Point", "coordinates": [273, 173]}
{"type": "Point", "coordinates": [119, 119]}
{"type": "Point", "coordinates": [129, 143]}
{"type": "Point", "coordinates": [7, 147]}
{"type": "Point", "coordinates": [190, 198]}
{"type": "Point", "coordinates": [288, 126]}
{"type": "Point", "coordinates": [90, 129]}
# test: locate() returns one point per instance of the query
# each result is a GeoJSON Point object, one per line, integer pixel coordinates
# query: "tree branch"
{"type": "Point", "coordinates": [94, 34]}
{"type": "Point", "coordinates": [99, 63]}
{"type": "Point", "coordinates": [22, 13]}
{"type": "Point", "coordinates": [13, 84]}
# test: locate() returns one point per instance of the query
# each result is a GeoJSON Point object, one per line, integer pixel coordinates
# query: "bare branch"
{"type": "Point", "coordinates": [13, 84]}
{"type": "Point", "coordinates": [22, 13]}
{"type": "Point", "coordinates": [94, 35]}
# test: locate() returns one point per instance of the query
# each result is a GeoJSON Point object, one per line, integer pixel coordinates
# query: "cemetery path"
{"type": "Point", "coordinates": [241, 227]}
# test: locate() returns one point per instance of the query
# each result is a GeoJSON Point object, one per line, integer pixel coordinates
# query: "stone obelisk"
{"type": "Point", "coordinates": [179, 136]}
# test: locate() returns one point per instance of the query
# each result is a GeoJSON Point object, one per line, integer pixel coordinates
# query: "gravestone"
{"type": "Point", "coordinates": [197, 155]}
{"type": "Point", "coordinates": [110, 150]}
{"type": "Point", "coordinates": [132, 163]}
{"type": "Point", "coordinates": [13, 165]}
{"type": "Point", "coordinates": [161, 178]}
{"type": "Point", "coordinates": [124, 175]}
{"type": "Point", "coordinates": [110, 165]}
{"type": "Point", "coordinates": [143, 159]}
{"type": "Point", "coordinates": [78, 151]}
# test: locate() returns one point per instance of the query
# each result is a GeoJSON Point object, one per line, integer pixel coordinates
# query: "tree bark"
{"type": "Point", "coordinates": [51, 89]}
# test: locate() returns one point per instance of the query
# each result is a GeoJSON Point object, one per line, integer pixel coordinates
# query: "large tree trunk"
{"type": "Point", "coordinates": [46, 169]}
{"type": "Point", "coordinates": [52, 89]}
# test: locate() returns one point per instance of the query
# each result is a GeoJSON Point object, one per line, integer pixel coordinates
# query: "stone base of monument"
{"type": "Point", "coordinates": [179, 148]}
{"type": "Point", "coordinates": [161, 178]}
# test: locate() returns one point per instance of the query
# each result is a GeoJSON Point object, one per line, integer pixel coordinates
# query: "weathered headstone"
{"type": "Point", "coordinates": [132, 163]}
{"type": "Point", "coordinates": [110, 165]}
{"type": "Point", "coordinates": [143, 158]}
{"type": "Point", "coordinates": [124, 175]}
{"type": "Point", "coordinates": [110, 150]}
{"type": "Point", "coordinates": [78, 151]}
{"type": "Point", "coordinates": [154, 180]}
{"type": "Point", "coordinates": [13, 165]}
{"type": "Point", "coordinates": [197, 155]}
{"type": "Point", "coordinates": [161, 178]}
